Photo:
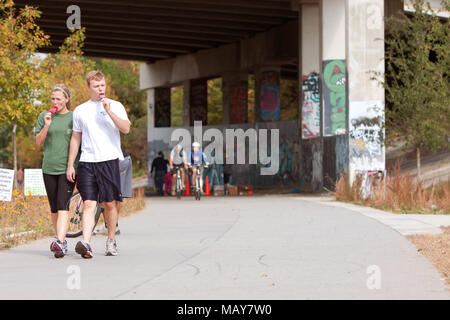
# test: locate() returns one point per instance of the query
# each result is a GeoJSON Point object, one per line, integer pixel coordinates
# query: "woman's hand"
{"type": "Point", "coordinates": [48, 119]}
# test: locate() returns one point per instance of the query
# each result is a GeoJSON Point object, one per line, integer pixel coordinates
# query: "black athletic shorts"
{"type": "Point", "coordinates": [175, 166]}
{"type": "Point", "coordinates": [99, 181]}
{"type": "Point", "coordinates": [59, 191]}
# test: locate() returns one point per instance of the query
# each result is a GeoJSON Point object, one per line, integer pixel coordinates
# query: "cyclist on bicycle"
{"type": "Point", "coordinates": [197, 158]}
{"type": "Point", "coordinates": [177, 159]}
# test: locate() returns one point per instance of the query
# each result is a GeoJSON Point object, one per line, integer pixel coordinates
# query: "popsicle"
{"type": "Point", "coordinates": [53, 110]}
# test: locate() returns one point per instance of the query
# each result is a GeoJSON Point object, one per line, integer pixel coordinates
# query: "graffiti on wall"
{"type": "Point", "coordinates": [289, 155]}
{"type": "Point", "coordinates": [198, 109]}
{"type": "Point", "coordinates": [162, 107]}
{"type": "Point", "coordinates": [367, 136]}
{"type": "Point", "coordinates": [334, 97]}
{"type": "Point", "coordinates": [289, 159]}
{"type": "Point", "coordinates": [311, 106]}
{"type": "Point", "coordinates": [238, 108]}
{"type": "Point", "coordinates": [269, 95]}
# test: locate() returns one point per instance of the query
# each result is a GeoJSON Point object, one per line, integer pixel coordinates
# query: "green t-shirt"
{"type": "Point", "coordinates": [56, 145]}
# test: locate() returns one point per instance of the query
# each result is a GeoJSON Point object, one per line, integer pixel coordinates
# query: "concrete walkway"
{"type": "Point", "coordinates": [405, 224]}
{"type": "Point", "coordinates": [271, 247]}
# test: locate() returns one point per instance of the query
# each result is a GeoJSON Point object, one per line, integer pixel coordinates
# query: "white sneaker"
{"type": "Point", "coordinates": [111, 247]}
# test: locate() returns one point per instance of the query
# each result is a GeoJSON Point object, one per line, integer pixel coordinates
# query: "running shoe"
{"type": "Point", "coordinates": [59, 249]}
{"type": "Point", "coordinates": [84, 249]}
{"type": "Point", "coordinates": [111, 247]}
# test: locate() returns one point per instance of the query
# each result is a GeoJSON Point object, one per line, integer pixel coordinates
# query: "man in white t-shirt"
{"type": "Point", "coordinates": [97, 124]}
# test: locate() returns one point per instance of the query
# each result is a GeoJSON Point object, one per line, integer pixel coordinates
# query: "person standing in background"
{"type": "Point", "coordinates": [20, 176]}
{"type": "Point", "coordinates": [159, 165]}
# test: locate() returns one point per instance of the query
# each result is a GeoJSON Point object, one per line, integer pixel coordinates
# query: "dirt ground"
{"type": "Point", "coordinates": [435, 248]}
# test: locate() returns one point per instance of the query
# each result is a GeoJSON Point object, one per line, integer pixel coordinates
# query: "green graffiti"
{"type": "Point", "coordinates": [334, 77]}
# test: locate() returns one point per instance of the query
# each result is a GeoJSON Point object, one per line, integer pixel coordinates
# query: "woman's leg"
{"type": "Point", "coordinates": [62, 224]}
{"type": "Point", "coordinates": [55, 221]}
{"type": "Point", "coordinates": [65, 191]}
{"type": "Point", "coordinates": [51, 187]}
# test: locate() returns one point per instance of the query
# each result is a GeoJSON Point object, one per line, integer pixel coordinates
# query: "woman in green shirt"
{"type": "Point", "coordinates": [54, 131]}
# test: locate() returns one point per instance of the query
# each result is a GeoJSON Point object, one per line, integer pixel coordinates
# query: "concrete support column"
{"type": "Point", "coordinates": [162, 107]}
{"type": "Point", "coordinates": [151, 154]}
{"type": "Point", "coordinates": [334, 101]}
{"type": "Point", "coordinates": [186, 102]}
{"type": "Point", "coordinates": [365, 53]}
{"type": "Point", "coordinates": [267, 94]}
{"type": "Point", "coordinates": [311, 155]}
{"type": "Point", "coordinates": [309, 70]}
{"type": "Point", "coordinates": [234, 97]}
{"type": "Point", "coordinates": [198, 101]}
{"type": "Point", "coordinates": [333, 43]}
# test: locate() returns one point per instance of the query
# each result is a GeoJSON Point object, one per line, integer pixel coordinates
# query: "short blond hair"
{"type": "Point", "coordinates": [94, 75]}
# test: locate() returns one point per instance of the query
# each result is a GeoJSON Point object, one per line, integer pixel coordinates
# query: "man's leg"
{"type": "Point", "coordinates": [111, 216]}
{"type": "Point", "coordinates": [194, 175]}
{"type": "Point", "coordinates": [88, 219]}
{"type": "Point", "coordinates": [183, 184]}
{"type": "Point", "coordinates": [174, 177]}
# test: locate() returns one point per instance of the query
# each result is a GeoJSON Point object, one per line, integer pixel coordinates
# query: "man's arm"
{"type": "Point", "coordinates": [75, 142]}
{"type": "Point", "coordinates": [205, 158]}
{"type": "Point", "coordinates": [123, 125]}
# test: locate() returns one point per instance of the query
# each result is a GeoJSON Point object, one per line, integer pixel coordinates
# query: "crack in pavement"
{"type": "Point", "coordinates": [177, 264]}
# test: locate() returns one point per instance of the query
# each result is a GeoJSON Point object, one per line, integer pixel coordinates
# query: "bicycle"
{"type": "Point", "coordinates": [178, 184]}
{"type": "Point", "coordinates": [197, 185]}
{"type": "Point", "coordinates": [76, 216]}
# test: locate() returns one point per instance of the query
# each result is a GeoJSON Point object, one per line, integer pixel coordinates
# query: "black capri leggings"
{"type": "Point", "coordinates": [59, 191]}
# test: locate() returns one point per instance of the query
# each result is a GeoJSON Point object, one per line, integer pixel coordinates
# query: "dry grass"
{"type": "Point", "coordinates": [435, 248]}
{"type": "Point", "coordinates": [27, 218]}
{"type": "Point", "coordinates": [397, 193]}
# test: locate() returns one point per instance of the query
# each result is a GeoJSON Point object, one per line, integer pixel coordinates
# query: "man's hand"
{"type": "Point", "coordinates": [122, 125]}
{"type": "Point", "coordinates": [106, 104]}
{"type": "Point", "coordinates": [70, 173]}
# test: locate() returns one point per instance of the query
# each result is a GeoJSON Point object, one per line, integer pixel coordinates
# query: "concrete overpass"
{"type": "Point", "coordinates": [327, 46]}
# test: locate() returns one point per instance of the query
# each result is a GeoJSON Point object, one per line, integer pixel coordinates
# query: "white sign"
{"type": "Point", "coordinates": [34, 183]}
{"type": "Point", "coordinates": [6, 184]}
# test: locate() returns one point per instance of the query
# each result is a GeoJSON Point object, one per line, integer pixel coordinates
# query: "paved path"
{"type": "Point", "coordinates": [272, 247]}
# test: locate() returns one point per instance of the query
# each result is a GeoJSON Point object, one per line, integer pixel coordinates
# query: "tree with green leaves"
{"type": "Point", "coordinates": [68, 66]}
{"type": "Point", "coordinates": [417, 80]}
{"type": "Point", "coordinates": [21, 76]}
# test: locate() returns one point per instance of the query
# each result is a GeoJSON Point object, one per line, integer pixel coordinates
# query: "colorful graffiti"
{"type": "Point", "coordinates": [162, 107]}
{"type": "Point", "coordinates": [334, 97]}
{"type": "Point", "coordinates": [367, 136]}
{"type": "Point", "coordinates": [311, 106]}
{"type": "Point", "coordinates": [289, 159]}
{"type": "Point", "coordinates": [238, 108]}
{"type": "Point", "coordinates": [269, 96]}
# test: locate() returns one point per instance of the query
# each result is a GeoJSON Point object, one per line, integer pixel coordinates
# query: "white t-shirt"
{"type": "Point", "coordinates": [100, 137]}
